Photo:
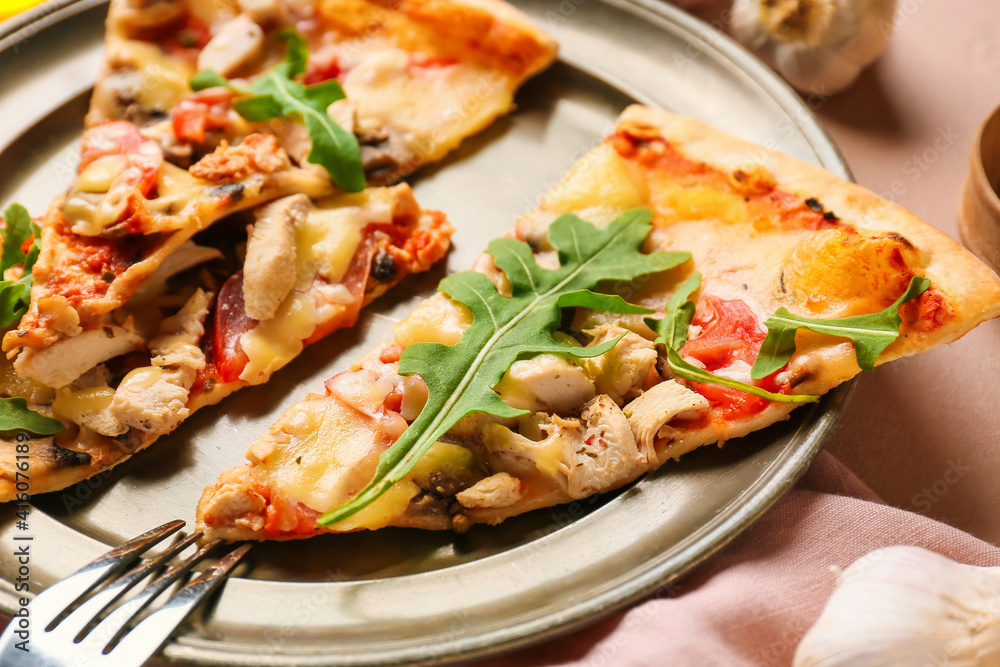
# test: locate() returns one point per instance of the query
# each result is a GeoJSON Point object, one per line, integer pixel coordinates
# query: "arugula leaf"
{"type": "Point", "coordinates": [871, 333]}
{"type": "Point", "coordinates": [608, 303]}
{"type": "Point", "coordinates": [673, 330]}
{"type": "Point", "coordinates": [15, 294]}
{"type": "Point", "coordinates": [208, 78]}
{"type": "Point", "coordinates": [275, 94]}
{"type": "Point", "coordinates": [460, 378]}
{"type": "Point", "coordinates": [17, 229]}
{"type": "Point", "coordinates": [15, 416]}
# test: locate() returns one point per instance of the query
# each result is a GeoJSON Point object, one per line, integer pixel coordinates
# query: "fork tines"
{"type": "Point", "coordinates": [76, 621]}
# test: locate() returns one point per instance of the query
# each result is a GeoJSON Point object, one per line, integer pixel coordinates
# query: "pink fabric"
{"type": "Point", "coordinates": [751, 604]}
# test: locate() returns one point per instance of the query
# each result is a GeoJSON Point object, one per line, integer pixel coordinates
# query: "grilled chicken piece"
{"type": "Point", "coordinates": [621, 372]}
{"type": "Point", "coordinates": [269, 269]}
{"type": "Point", "coordinates": [154, 398]}
{"type": "Point", "coordinates": [589, 455]}
{"type": "Point", "coordinates": [499, 490]}
{"type": "Point", "coordinates": [649, 414]}
{"type": "Point", "coordinates": [547, 383]}
{"type": "Point", "coordinates": [60, 364]}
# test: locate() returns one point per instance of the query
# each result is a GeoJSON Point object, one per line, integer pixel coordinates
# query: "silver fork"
{"type": "Point", "coordinates": [66, 628]}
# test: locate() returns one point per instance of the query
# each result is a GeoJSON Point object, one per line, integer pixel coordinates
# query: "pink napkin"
{"type": "Point", "coordinates": [751, 604]}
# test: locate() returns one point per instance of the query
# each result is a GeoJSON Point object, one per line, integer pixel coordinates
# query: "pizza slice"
{"type": "Point", "coordinates": [419, 75]}
{"type": "Point", "coordinates": [716, 286]}
{"type": "Point", "coordinates": [209, 321]}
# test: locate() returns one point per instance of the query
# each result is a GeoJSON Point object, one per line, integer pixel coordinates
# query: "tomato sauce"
{"type": "Point", "coordinates": [659, 156]}
{"type": "Point", "coordinates": [202, 112]}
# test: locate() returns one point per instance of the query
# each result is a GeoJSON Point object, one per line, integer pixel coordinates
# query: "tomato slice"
{"type": "Point", "coordinates": [144, 157]}
{"type": "Point", "coordinates": [322, 71]}
{"type": "Point", "coordinates": [730, 332]}
{"type": "Point", "coordinates": [199, 113]}
{"type": "Point", "coordinates": [231, 322]}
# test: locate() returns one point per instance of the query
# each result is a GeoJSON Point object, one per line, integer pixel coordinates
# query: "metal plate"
{"type": "Point", "coordinates": [395, 595]}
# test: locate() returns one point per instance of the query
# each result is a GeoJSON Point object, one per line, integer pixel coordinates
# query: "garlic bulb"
{"type": "Point", "coordinates": [819, 46]}
{"type": "Point", "coordinates": [906, 606]}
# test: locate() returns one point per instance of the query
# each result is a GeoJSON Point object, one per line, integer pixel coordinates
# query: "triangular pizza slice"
{"type": "Point", "coordinates": [419, 75]}
{"type": "Point", "coordinates": [762, 283]}
{"type": "Point", "coordinates": [225, 310]}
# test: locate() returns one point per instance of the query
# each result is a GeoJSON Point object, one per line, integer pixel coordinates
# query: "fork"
{"type": "Point", "coordinates": [66, 627]}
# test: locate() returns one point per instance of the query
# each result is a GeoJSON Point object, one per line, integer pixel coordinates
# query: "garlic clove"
{"type": "Point", "coordinates": [819, 46]}
{"type": "Point", "coordinates": [906, 606]}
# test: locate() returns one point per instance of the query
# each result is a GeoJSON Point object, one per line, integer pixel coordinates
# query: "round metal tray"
{"type": "Point", "coordinates": [405, 596]}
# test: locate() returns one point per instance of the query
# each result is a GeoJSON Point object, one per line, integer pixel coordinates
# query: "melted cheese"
{"type": "Point", "coordinates": [441, 457]}
{"type": "Point", "coordinates": [14, 384]}
{"type": "Point", "coordinates": [326, 242]}
{"type": "Point", "coordinates": [301, 458]}
{"type": "Point", "coordinates": [69, 405]}
{"type": "Point", "coordinates": [599, 188]}
{"type": "Point", "coordinates": [435, 320]}
{"type": "Point", "coordinates": [381, 513]}
{"type": "Point", "coordinates": [157, 80]}
{"type": "Point", "coordinates": [437, 105]}
{"type": "Point", "coordinates": [272, 344]}
{"type": "Point", "coordinates": [676, 202]}
{"type": "Point", "coordinates": [99, 175]}
{"type": "Point", "coordinates": [838, 272]}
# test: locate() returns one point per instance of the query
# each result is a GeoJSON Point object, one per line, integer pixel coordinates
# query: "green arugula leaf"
{"type": "Point", "coordinates": [608, 303]}
{"type": "Point", "coordinates": [460, 378]}
{"type": "Point", "coordinates": [673, 330]}
{"type": "Point", "coordinates": [15, 294]}
{"type": "Point", "coordinates": [275, 94]}
{"type": "Point", "coordinates": [871, 333]}
{"type": "Point", "coordinates": [208, 78]}
{"type": "Point", "coordinates": [15, 416]}
{"type": "Point", "coordinates": [17, 229]}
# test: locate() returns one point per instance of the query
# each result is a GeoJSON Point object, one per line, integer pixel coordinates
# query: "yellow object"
{"type": "Point", "coordinates": [10, 7]}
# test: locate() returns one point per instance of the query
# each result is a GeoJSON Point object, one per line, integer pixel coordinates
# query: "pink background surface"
{"type": "Point", "coordinates": [907, 126]}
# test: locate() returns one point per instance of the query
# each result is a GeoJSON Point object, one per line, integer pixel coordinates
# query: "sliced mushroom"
{"type": "Point", "coordinates": [236, 45]}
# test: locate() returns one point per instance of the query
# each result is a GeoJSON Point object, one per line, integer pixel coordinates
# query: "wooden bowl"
{"type": "Point", "coordinates": [979, 211]}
